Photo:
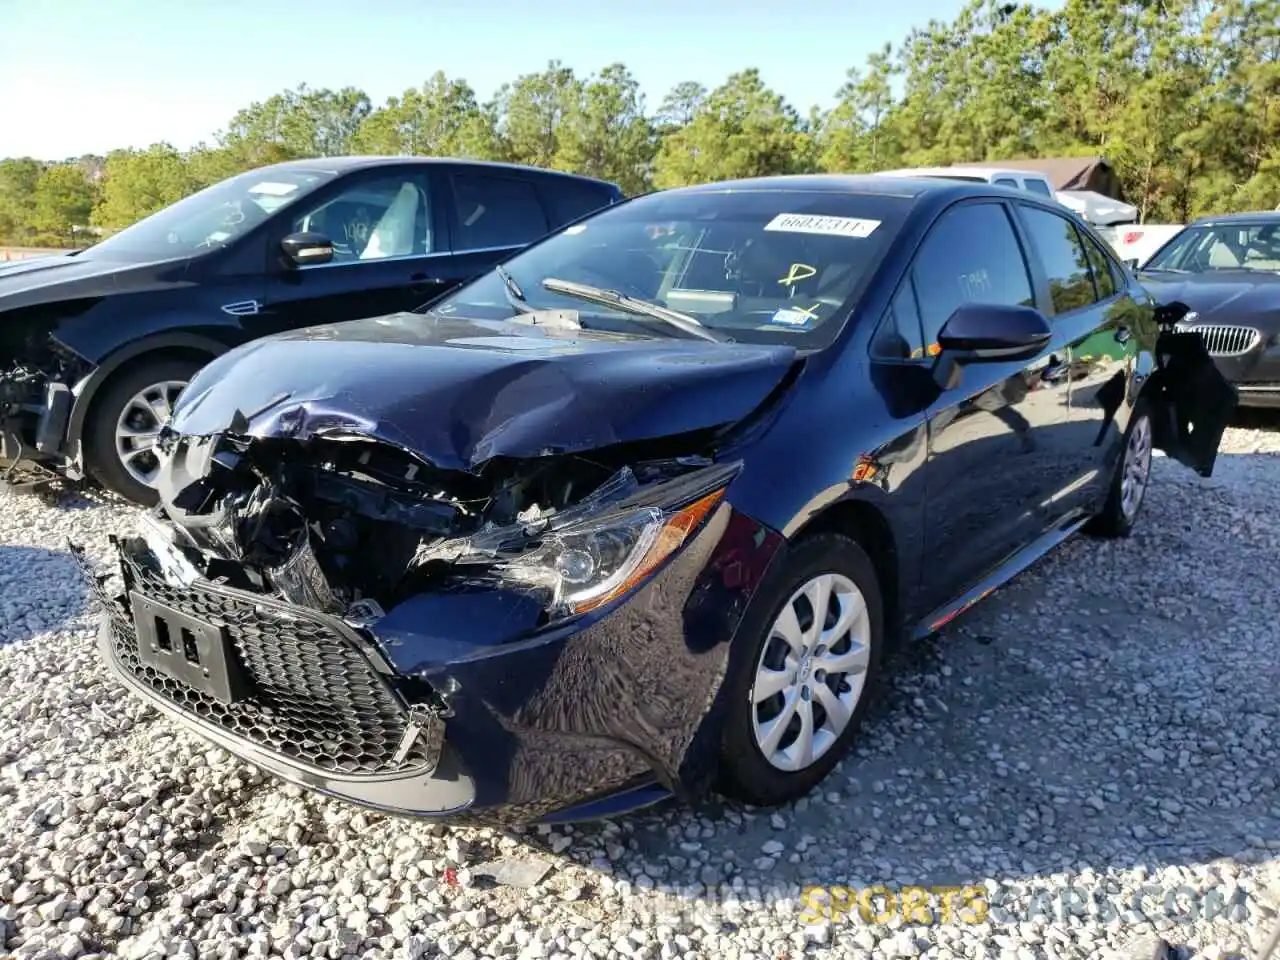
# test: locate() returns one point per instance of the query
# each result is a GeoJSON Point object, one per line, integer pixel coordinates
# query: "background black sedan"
{"type": "Point", "coordinates": [1227, 270]}
{"type": "Point", "coordinates": [96, 345]}
{"type": "Point", "coordinates": [643, 508]}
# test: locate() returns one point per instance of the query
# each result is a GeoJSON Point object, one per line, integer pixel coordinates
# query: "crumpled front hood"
{"type": "Point", "coordinates": [57, 277]}
{"type": "Point", "coordinates": [1229, 296]}
{"type": "Point", "coordinates": [458, 392]}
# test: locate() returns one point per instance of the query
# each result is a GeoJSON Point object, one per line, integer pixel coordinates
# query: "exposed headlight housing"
{"type": "Point", "coordinates": [606, 546]}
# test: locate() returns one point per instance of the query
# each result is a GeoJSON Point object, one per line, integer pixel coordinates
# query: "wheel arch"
{"type": "Point", "coordinates": [864, 523]}
{"type": "Point", "coordinates": [168, 345]}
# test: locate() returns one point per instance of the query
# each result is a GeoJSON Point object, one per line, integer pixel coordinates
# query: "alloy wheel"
{"type": "Point", "coordinates": [811, 672]}
{"type": "Point", "coordinates": [1136, 468]}
{"type": "Point", "coordinates": [138, 428]}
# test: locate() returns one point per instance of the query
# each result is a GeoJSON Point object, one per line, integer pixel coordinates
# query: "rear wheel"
{"type": "Point", "coordinates": [802, 686]}
{"type": "Point", "coordinates": [1130, 481]}
{"type": "Point", "coordinates": [125, 421]}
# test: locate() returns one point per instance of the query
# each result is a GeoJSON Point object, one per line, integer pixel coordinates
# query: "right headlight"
{"type": "Point", "coordinates": [603, 549]}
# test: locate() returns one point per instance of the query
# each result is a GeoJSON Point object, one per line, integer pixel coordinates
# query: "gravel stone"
{"type": "Point", "coordinates": [1104, 726]}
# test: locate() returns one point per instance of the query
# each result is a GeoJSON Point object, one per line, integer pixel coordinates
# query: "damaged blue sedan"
{"type": "Point", "coordinates": [641, 511]}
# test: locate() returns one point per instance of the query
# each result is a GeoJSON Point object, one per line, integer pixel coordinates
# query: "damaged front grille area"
{"type": "Point", "coordinates": [313, 696]}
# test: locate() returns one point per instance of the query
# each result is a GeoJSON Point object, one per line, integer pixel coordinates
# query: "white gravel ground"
{"type": "Point", "coordinates": [1109, 725]}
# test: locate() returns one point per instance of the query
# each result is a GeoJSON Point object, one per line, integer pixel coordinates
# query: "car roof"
{"type": "Point", "coordinates": [962, 171]}
{"type": "Point", "coordinates": [342, 165]}
{"type": "Point", "coordinates": [912, 188]}
{"type": "Point", "coordinates": [1259, 216]}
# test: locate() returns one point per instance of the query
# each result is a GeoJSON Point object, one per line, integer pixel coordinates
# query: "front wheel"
{"type": "Point", "coordinates": [1129, 483]}
{"type": "Point", "coordinates": [125, 422]}
{"type": "Point", "coordinates": [803, 683]}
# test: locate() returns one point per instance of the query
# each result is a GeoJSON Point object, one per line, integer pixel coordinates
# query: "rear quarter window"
{"type": "Point", "coordinates": [568, 200]}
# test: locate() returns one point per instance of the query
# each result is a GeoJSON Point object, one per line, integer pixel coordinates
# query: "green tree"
{"type": "Point", "coordinates": [1182, 96]}
{"type": "Point", "coordinates": [606, 133]}
{"type": "Point", "coordinates": [680, 106]}
{"type": "Point", "coordinates": [743, 129]}
{"type": "Point", "coordinates": [18, 179]}
{"type": "Point", "coordinates": [62, 199]}
{"type": "Point", "coordinates": [533, 110]}
{"type": "Point", "coordinates": [137, 183]}
{"type": "Point", "coordinates": [443, 118]}
{"type": "Point", "coordinates": [857, 135]}
{"type": "Point", "coordinates": [298, 123]}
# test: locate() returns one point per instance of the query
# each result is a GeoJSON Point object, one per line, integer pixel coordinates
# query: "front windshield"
{"type": "Point", "coordinates": [1224, 246]}
{"type": "Point", "coordinates": [754, 266]}
{"type": "Point", "coordinates": [212, 218]}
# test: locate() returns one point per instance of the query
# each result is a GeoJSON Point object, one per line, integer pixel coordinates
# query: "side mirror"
{"type": "Point", "coordinates": [304, 249]}
{"type": "Point", "coordinates": [1132, 263]}
{"type": "Point", "coordinates": [989, 333]}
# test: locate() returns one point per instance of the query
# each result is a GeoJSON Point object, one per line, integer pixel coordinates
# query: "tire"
{"type": "Point", "coordinates": [746, 772]}
{"type": "Point", "coordinates": [1120, 512]}
{"type": "Point", "coordinates": [102, 459]}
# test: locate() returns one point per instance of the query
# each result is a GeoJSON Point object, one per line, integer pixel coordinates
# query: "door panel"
{"type": "Point", "coordinates": [1094, 357]}
{"type": "Point", "coordinates": [994, 436]}
{"type": "Point", "coordinates": [387, 257]}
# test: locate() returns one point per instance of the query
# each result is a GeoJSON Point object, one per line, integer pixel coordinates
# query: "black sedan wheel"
{"type": "Point", "coordinates": [802, 686]}
{"type": "Point", "coordinates": [125, 422]}
{"type": "Point", "coordinates": [1130, 481]}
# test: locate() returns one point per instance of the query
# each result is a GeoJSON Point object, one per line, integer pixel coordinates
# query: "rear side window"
{"type": "Point", "coordinates": [1066, 264]}
{"type": "Point", "coordinates": [1005, 182]}
{"type": "Point", "coordinates": [1104, 273]}
{"type": "Point", "coordinates": [971, 255]}
{"type": "Point", "coordinates": [495, 212]}
{"type": "Point", "coordinates": [567, 200]}
{"type": "Point", "coordinates": [1039, 186]}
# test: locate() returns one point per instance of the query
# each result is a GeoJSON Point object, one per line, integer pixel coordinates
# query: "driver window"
{"type": "Point", "coordinates": [374, 219]}
{"type": "Point", "coordinates": [971, 255]}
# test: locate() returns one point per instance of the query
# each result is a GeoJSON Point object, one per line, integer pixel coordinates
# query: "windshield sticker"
{"type": "Point", "coordinates": [798, 272]}
{"type": "Point", "coordinates": [274, 189]}
{"type": "Point", "coordinates": [795, 316]}
{"type": "Point", "coordinates": [826, 226]}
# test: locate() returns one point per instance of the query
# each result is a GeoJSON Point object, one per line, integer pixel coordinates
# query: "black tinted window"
{"type": "Point", "coordinates": [1038, 186]}
{"type": "Point", "coordinates": [568, 200]}
{"type": "Point", "coordinates": [496, 212]}
{"type": "Point", "coordinates": [970, 256]}
{"type": "Point", "coordinates": [1104, 276]}
{"type": "Point", "coordinates": [899, 336]}
{"type": "Point", "coordinates": [1064, 259]}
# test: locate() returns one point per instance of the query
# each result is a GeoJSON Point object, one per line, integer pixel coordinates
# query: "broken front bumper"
{"type": "Point", "coordinates": [34, 419]}
{"type": "Point", "coordinates": [432, 720]}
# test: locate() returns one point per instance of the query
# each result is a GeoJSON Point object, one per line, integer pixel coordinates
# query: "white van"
{"type": "Point", "coordinates": [1028, 180]}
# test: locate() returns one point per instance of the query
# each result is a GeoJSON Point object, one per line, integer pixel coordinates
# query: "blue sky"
{"type": "Point", "coordinates": [84, 76]}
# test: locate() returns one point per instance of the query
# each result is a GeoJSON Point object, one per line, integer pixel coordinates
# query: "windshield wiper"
{"type": "Point", "coordinates": [634, 305]}
{"type": "Point", "coordinates": [515, 296]}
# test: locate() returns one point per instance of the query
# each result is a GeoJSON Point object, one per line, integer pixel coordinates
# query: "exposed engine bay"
{"type": "Point", "coordinates": [353, 526]}
{"type": "Point", "coordinates": [37, 374]}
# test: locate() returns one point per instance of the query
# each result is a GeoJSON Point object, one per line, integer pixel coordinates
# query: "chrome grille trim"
{"type": "Point", "coordinates": [1221, 340]}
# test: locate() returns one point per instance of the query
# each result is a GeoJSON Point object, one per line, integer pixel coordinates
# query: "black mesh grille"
{"type": "Point", "coordinates": [316, 699]}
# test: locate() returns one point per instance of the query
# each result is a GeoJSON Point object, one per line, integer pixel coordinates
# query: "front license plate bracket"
{"type": "Point", "coordinates": [191, 651]}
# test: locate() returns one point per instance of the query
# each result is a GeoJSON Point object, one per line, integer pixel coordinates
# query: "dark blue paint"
{"type": "Point", "coordinates": [953, 483]}
{"type": "Point", "coordinates": [505, 389]}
